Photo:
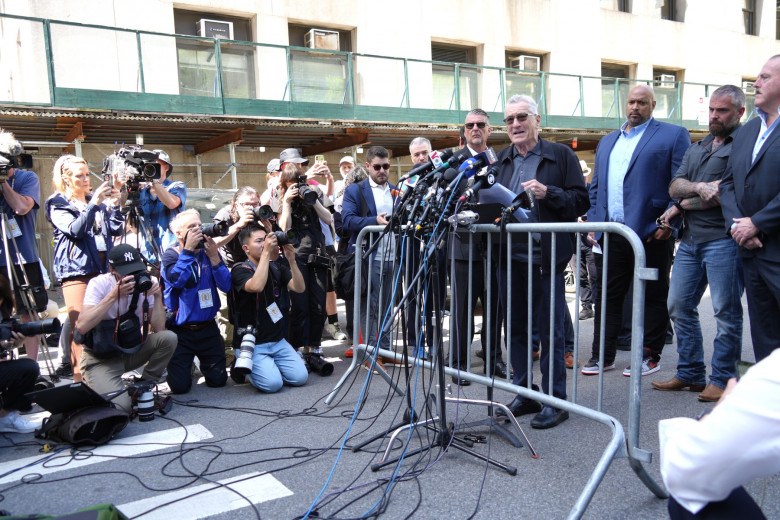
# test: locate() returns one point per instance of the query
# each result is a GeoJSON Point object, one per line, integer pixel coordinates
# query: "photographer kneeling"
{"type": "Point", "coordinates": [259, 284]}
{"type": "Point", "coordinates": [17, 376]}
{"type": "Point", "coordinates": [114, 326]}
{"type": "Point", "coordinates": [193, 271]}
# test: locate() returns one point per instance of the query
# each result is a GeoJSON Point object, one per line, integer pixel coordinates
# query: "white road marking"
{"type": "Point", "coordinates": [208, 499]}
{"type": "Point", "coordinates": [121, 447]}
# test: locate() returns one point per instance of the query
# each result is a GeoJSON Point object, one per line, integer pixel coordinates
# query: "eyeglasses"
{"type": "Point", "coordinates": [480, 125]}
{"type": "Point", "coordinates": [249, 204]}
{"type": "Point", "coordinates": [378, 167]}
{"type": "Point", "coordinates": [508, 120]}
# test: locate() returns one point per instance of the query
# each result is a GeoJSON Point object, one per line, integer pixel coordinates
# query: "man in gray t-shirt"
{"type": "Point", "coordinates": [706, 255]}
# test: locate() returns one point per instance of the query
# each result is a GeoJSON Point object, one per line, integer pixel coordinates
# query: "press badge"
{"type": "Point", "coordinates": [204, 295]}
{"type": "Point", "coordinates": [13, 230]}
{"type": "Point", "coordinates": [274, 312]}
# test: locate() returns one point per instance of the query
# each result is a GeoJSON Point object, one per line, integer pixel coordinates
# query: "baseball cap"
{"type": "Point", "coordinates": [347, 158]}
{"type": "Point", "coordinates": [126, 259]}
{"type": "Point", "coordinates": [274, 165]}
{"type": "Point", "coordinates": [292, 155]}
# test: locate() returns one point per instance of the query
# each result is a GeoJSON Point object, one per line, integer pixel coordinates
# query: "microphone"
{"type": "Point", "coordinates": [9, 146]}
{"type": "Point", "coordinates": [525, 199]}
{"type": "Point", "coordinates": [482, 180]}
{"type": "Point", "coordinates": [480, 160]}
{"type": "Point", "coordinates": [436, 157]}
{"type": "Point", "coordinates": [453, 161]}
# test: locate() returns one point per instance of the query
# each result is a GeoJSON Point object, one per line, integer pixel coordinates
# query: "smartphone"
{"type": "Point", "coordinates": [319, 158]}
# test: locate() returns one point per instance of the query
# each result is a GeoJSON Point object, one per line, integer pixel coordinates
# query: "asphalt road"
{"type": "Point", "coordinates": [251, 455]}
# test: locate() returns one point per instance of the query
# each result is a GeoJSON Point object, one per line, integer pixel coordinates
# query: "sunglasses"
{"type": "Point", "coordinates": [519, 117]}
{"type": "Point", "coordinates": [480, 125]}
{"type": "Point", "coordinates": [378, 167]}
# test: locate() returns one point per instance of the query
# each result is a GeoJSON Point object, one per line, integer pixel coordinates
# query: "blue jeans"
{"type": "Point", "coordinates": [374, 309]}
{"type": "Point", "coordinates": [274, 364]}
{"type": "Point", "coordinates": [718, 263]}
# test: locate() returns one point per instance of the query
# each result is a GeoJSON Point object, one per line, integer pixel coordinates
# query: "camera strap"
{"type": "Point", "coordinates": [145, 309]}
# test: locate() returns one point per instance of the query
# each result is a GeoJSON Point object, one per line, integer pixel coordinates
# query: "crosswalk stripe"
{"type": "Point", "coordinates": [120, 447]}
{"type": "Point", "coordinates": [210, 498]}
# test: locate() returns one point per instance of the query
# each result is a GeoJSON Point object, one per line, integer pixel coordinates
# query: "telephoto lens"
{"type": "Point", "coordinates": [308, 194]}
{"type": "Point", "coordinates": [217, 229]}
{"type": "Point", "coordinates": [145, 405]}
{"type": "Point", "coordinates": [143, 282]}
{"type": "Point", "coordinates": [244, 358]}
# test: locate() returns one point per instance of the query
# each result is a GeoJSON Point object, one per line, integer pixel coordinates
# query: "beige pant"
{"type": "Point", "coordinates": [105, 375]}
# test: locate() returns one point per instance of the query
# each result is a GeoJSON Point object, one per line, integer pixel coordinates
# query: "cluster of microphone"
{"type": "Point", "coordinates": [430, 192]}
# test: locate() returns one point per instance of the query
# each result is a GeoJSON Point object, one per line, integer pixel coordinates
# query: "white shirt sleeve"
{"type": "Point", "coordinates": [704, 461]}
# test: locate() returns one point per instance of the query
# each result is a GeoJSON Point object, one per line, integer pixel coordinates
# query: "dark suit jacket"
{"type": "Point", "coordinates": [646, 185]}
{"type": "Point", "coordinates": [566, 199]}
{"type": "Point", "coordinates": [753, 189]}
{"type": "Point", "coordinates": [351, 214]}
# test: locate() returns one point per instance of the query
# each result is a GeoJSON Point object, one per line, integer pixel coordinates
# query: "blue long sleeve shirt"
{"type": "Point", "coordinates": [191, 284]}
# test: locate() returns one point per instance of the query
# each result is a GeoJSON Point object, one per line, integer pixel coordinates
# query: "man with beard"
{"type": "Point", "coordinates": [706, 255]}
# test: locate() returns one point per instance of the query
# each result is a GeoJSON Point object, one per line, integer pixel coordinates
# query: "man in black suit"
{"type": "Point", "coordinates": [750, 198]}
{"type": "Point", "coordinates": [552, 174]}
{"type": "Point", "coordinates": [476, 132]}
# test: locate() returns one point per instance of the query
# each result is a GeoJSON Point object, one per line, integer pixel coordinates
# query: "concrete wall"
{"type": "Point", "coordinates": [574, 36]}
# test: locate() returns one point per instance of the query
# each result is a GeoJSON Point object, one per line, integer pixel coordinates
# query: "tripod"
{"type": "Point", "coordinates": [444, 436]}
{"type": "Point", "coordinates": [134, 215]}
{"type": "Point", "coordinates": [26, 291]}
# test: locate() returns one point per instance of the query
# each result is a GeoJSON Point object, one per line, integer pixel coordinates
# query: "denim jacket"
{"type": "Point", "coordinates": [75, 249]}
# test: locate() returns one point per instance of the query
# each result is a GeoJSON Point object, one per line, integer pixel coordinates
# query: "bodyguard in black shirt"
{"type": "Point", "coordinates": [258, 285]}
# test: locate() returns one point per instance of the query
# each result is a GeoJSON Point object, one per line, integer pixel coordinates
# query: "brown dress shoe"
{"type": "Point", "coordinates": [536, 355]}
{"type": "Point", "coordinates": [569, 356]}
{"type": "Point", "coordinates": [711, 394]}
{"type": "Point", "coordinates": [675, 384]}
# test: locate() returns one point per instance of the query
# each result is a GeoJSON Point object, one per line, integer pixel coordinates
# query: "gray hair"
{"type": "Point", "coordinates": [522, 98]}
{"type": "Point", "coordinates": [735, 93]}
{"type": "Point", "coordinates": [478, 112]}
{"type": "Point", "coordinates": [418, 141]}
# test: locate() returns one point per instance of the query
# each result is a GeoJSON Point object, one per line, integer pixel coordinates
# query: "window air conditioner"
{"type": "Point", "coordinates": [748, 87]}
{"type": "Point", "coordinates": [215, 29]}
{"type": "Point", "coordinates": [322, 39]}
{"type": "Point", "coordinates": [665, 81]}
{"type": "Point", "coordinates": [524, 62]}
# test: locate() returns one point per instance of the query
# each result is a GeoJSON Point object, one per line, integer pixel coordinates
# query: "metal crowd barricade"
{"type": "Point", "coordinates": [620, 445]}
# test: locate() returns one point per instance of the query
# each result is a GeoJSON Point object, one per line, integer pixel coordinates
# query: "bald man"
{"type": "Point", "coordinates": [633, 169]}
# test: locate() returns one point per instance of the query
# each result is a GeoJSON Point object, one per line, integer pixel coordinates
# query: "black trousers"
{"type": "Point", "coordinates": [739, 504]}
{"type": "Point", "coordinates": [208, 346]}
{"type": "Point", "coordinates": [307, 309]}
{"type": "Point", "coordinates": [620, 273]}
{"type": "Point", "coordinates": [762, 285]}
{"type": "Point", "coordinates": [17, 377]}
{"type": "Point", "coordinates": [463, 312]}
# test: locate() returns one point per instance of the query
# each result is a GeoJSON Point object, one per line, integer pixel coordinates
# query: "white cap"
{"type": "Point", "coordinates": [347, 158]}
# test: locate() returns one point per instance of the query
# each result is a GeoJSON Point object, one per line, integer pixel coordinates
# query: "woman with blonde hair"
{"type": "Point", "coordinates": [83, 227]}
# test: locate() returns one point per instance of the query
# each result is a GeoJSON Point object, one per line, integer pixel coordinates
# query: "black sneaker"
{"type": "Point", "coordinates": [591, 368]}
{"type": "Point", "coordinates": [64, 370]}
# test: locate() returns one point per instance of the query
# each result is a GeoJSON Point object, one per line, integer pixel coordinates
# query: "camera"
{"type": "Point", "coordinates": [319, 261]}
{"type": "Point", "coordinates": [264, 213]}
{"type": "Point", "coordinates": [6, 163]}
{"type": "Point", "coordinates": [143, 282]}
{"type": "Point", "coordinates": [306, 192]}
{"type": "Point", "coordinates": [31, 328]}
{"type": "Point", "coordinates": [217, 229]}
{"type": "Point", "coordinates": [132, 162]}
{"type": "Point", "coordinates": [287, 237]}
{"type": "Point", "coordinates": [243, 364]}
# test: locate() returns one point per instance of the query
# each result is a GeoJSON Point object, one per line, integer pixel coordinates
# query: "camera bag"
{"type": "Point", "coordinates": [344, 267]}
{"type": "Point", "coordinates": [113, 337]}
{"type": "Point", "coordinates": [93, 425]}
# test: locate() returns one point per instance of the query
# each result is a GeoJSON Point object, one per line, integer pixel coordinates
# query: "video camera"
{"type": "Point", "coordinates": [10, 149]}
{"type": "Point", "coordinates": [307, 193]}
{"type": "Point", "coordinates": [132, 163]}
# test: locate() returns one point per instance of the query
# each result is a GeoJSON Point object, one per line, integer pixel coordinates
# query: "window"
{"type": "Point", "coordinates": [197, 58]}
{"type": "Point", "coordinates": [673, 10]}
{"type": "Point", "coordinates": [665, 84]}
{"type": "Point", "coordinates": [777, 22]}
{"type": "Point", "coordinates": [444, 76]}
{"type": "Point", "coordinates": [749, 16]}
{"type": "Point", "coordinates": [614, 88]}
{"type": "Point", "coordinates": [319, 75]}
{"type": "Point", "coordinates": [617, 5]}
{"type": "Point", "coordinates": [750, 97]}
{"type": "Point", "coordinates": [525, 73]}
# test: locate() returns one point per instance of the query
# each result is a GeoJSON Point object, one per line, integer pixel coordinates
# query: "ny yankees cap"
{"type": "Point", "coordinates": [126, 259]}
